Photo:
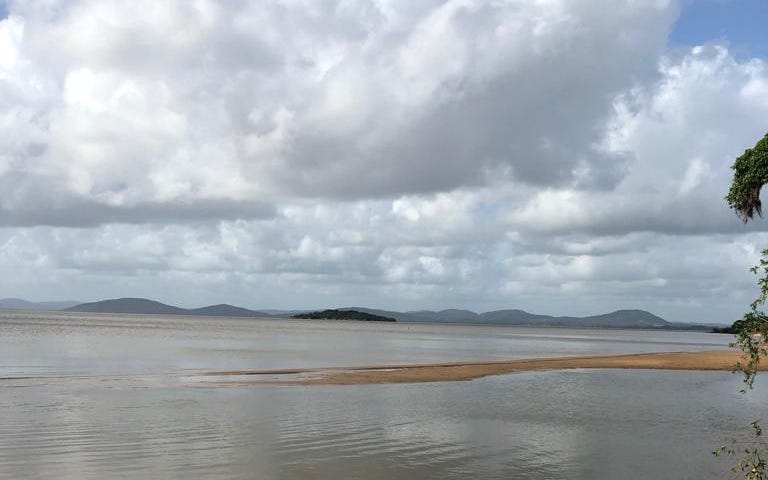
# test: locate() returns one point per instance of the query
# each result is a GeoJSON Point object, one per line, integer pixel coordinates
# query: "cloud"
{"type": "Point", "coordinates": [376, 258]}
{"type": "Point", "coordinates": [682, 133]}
{"type": "Point", "coordinates": [69, 211]}
{"type": "Point", "coordinates": [186, 103]}
{"type": "Point", "coordinates": [548, 155]}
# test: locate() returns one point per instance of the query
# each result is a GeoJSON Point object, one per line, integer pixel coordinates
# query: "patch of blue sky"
{"type": "Point", "coordinates": [739, 24]}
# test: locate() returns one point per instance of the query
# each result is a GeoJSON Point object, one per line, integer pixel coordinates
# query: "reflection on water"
{"type": "Point", "coordinates": [110, 411]}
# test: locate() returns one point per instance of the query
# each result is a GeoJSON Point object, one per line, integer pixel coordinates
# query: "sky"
{"type": "Point", "coordinates": [566, 157]}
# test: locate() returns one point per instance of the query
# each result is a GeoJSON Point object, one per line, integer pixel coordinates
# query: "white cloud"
{"type": "Point", "coordinates": [682, 133]}
{"type": "Point", "coordinates": [193, 102]}
{"type": "Point", "coordinates": [547, 155]}
{"type": "Point", "coordinates": [11, 33]}
{"type": "Point", "coordinates": [696, 173]}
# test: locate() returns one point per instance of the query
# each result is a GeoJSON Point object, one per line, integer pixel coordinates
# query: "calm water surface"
{"type": "Point", "coordinates": [99, 396]}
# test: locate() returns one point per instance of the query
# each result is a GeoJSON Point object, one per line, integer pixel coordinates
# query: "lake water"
{"type": "Point", "coordinates": [102, 396]}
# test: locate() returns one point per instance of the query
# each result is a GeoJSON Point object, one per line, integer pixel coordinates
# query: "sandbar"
{"type": "Point", "coordinates": [452, 372]}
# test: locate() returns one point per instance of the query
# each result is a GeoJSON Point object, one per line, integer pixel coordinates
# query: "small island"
{"type": "Point", "coordinates": [333, 314]}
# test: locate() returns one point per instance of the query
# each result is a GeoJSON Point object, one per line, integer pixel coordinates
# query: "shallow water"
{"type": "Point", "coordinates": [77, 344]}
{"type": "Point", "coordinates": [100, 399]}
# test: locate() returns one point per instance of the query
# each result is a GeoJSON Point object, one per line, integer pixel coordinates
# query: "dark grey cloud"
{"type": "Point", "coordinates": [536, 115]}
{"type": "Point", "coordinates": [35, 201]}
{"type": "Point", "coordinates": [80, 213]}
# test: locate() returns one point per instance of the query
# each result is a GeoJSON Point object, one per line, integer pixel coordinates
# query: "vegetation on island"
{"type": "Point", "coordinates": [750, 174]}
{"type": "Point", "coordinates": [732, 329]}
{"type": "Point", "coordinates": [334, 314]}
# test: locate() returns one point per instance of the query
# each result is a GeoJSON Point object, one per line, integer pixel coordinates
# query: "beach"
{"type": "Point", "coordinates": [463, 371]}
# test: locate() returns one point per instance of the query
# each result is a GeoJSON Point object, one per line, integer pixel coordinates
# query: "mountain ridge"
{"type": "Point", "coordinates": [625, 318]}
{"type": "Point", "coordinates": [21, 304]}
{"type": "Point", "coordinates": [151, 307]}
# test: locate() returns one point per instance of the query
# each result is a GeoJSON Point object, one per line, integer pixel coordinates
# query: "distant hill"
{"type": "Point", "coordinates": [515, 317]}
{"type": "Point", "coordinates": [343, 315]}
{"type": "Point", "coordinates": [449, 316]}
{"type": "Point", "coordinates": [151, 307]}
{"type": "Point", "coordinates": [128, 305]}
{"type": "Point", "coordinates": [617, 319]}
{"type": "Point", "coordinates": [225, 310]}
{"type": "Point", "coordinates": [19, 304]}
{"type": "Point", "coordinates": [282, 313]}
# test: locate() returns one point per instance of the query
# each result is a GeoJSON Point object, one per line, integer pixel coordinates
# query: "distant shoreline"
{"type": "Point", "coordinates": [724, 360]}
{"type": "Point", "coordinates": [675, 327]}
{"type": "Point", "coordinates": [624, 318]}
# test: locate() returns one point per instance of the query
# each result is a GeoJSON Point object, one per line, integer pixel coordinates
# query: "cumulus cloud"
{"type": "Point", "coordinates": [547, 155]}
{"type": "Point", "coordinates": [682, 133]}
{"type": "Point", "coordinates": [120, 104]}
{"type": "Point", "coordinates": [383, 262]}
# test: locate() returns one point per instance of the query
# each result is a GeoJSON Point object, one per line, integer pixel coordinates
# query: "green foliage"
{"type": "Point", "coordinates": [343, 315]}
{"type": "Point", "coordinates": [750, 173]}
{"type": "Point", "coordinates": [752, 462]}
{"type": "Point", "coordinates": [729, 330]}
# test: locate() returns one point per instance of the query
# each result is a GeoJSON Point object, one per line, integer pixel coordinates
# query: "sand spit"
{"type": "Point", "coordinates": [452, 372]}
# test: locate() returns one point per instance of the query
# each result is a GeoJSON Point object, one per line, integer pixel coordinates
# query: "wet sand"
{"type": "Point", "coordinates": [452, 372]}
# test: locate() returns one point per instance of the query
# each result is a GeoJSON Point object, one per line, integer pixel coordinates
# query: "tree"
{"type": "Point", "coordinates": [750, 174]}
